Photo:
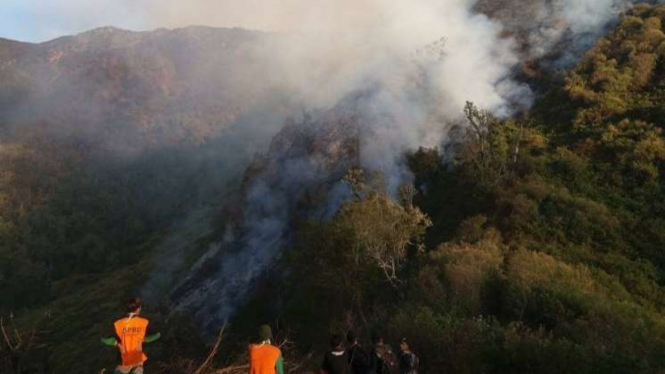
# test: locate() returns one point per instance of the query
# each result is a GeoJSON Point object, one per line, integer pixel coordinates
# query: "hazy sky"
{"type": "Point", "coordinates": [41, 20]}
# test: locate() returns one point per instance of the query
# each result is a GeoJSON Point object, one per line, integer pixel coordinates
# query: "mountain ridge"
{"type": "Point", "coordinates": [150, 81]}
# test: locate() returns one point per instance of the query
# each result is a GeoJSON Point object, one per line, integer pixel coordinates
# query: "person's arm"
{"type": "Point", "coordinates": [150, 334]}
{"type": "Point", "coordinates": [279, 366]}
{"type": "Point", "coordinates": [112, 340]}
{"type": "Point", "coordinates": [153, 337]}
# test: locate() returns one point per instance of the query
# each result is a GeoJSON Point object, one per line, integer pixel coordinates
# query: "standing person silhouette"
{"type": "Point", "coordinates": [357, 356]}
{"type": "Point", "coordinates": [408, 361]}
{"type": "Point", "coordinates": [382, 360]}
{"type": "Point", "coordinates": [131, 334]}
{"type": "Point", "coordinates": [265, 358]}
{"type": "Point", "coordinates": [336, 361]}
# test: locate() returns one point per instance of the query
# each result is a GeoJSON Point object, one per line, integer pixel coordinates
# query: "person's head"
{"type": "Point", "coordinates": [404, 345]}
{"type": "Point", "coordinates": [377, 338]}
{"type": "Point", "coordinates": [265, 333]}
{"type": "Point", "coordinates": [351, 338]}
{"type": "Point", "coordinates": [335, 341]}
{"type": "Point", "coordinates": [133, 306]}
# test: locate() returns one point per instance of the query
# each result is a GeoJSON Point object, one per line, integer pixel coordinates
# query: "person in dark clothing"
{"type": "Point", "coordinates": [408, 361]}
{"type": "Point", "coordinates": [336, 361]}
{"type": "Point", "coordinates": [357, 357]}
{"type": "Point", "coordinates": [382, 360]}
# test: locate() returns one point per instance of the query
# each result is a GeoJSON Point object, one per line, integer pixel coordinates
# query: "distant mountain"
{"type": "Point", "coordinates": [147, 89]}
{"type": "Point", "coordinates": [156, 87]}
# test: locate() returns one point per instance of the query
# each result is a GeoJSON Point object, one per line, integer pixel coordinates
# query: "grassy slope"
{"type": "Point", "coordinates": [74, 323]}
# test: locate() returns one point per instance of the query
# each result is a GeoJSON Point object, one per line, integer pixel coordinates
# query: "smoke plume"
{"type": "Point", "coordinates": [403, 70]}
{"type": "Point", "coordinates": [380, 76]}
{"type": "Point", "coordinates": [399, 74]}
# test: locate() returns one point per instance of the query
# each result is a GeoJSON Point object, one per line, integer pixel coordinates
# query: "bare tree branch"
{"type": "Point", "coordinates": [213, 352]}
{"type": "Point", "coordinates": [4, 334]}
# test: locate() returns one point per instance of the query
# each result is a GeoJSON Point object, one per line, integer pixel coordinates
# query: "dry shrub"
{"type": "Point", "coordinates": [466, 268]}
{"type": "Point", "coordinates": [529, 270]}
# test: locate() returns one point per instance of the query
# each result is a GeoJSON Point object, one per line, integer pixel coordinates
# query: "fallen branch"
{"type": "Point", "coordinates": [301, 364]}
{"type": "Point", "coordinates": [213, 351]}
{"type": "Point", "coordinates": [4, 333]}
{"type": "Point", "coordinates": [232, 369]}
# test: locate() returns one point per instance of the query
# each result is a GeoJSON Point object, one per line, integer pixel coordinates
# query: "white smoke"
{"type": "Point", "coordinates": [569, 27]}
{"type": "Point", "coordinates": [418, 85]}
{"type": "Point", "coordinates": [328, 50]}
{"type": "Point", "coordinates": [404, 68]}
{"type": "Point", "coordinates": [591, 16]}
{"type": "Point", "coordinates": [392, 47]}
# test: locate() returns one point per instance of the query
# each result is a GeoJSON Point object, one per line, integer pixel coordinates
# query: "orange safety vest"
{"type": "Point", "coordinates": [131, 331]}
{"type": "Point", "coordinates": [263, 358]}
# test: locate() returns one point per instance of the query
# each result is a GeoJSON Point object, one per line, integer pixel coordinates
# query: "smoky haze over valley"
{"type": "Point", "coordinates": [395, 74]}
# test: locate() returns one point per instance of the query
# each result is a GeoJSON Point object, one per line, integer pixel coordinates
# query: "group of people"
{"type": "Point", "coordinates": [380, 359]}
{"type": "Point", "coordinates": [265, 358]}
{"type": "Point", "coordinates": [131, 332]}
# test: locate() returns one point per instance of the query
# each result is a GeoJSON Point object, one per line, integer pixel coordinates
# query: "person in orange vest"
{"type": "Point", "coordinates": [265, 358]}
{"type": "Point", "coordinates": [131, 334]}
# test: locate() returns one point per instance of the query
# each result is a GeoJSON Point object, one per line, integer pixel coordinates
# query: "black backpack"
{"type": "Point", "coordinates": [409, 362]}
{"type": "Point", "coordinates": [390, 363]}
{"type": "Point", "coordinates": [359, 360]}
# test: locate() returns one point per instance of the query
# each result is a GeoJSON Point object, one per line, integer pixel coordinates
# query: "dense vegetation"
{"type": "Point", "coordinates": [545, 250]}
{"type": "Point", "coordinates": [539, 248]}
{"type": "Point", "coordinates": [65, 212]}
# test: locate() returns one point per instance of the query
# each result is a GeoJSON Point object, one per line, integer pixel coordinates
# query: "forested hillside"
{"type": "Point", "coordinates": [96, 174]}
{"type": "Point", "coordinates": [528, 244]}
{"type": "Point", "coordinates": [102, 138]}
{"type": "Point", "coordinates": [538, 249]}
